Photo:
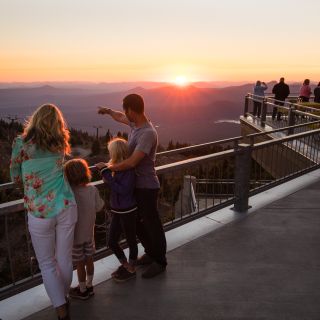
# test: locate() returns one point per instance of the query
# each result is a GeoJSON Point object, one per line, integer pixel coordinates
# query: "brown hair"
{"type": "Point", "coordinates": [306, 82]}
{"type": "Point", "coordinates": [133, 102]}
{"type": "Point", "coordinates": [77, 172]}
{"type": "Point", "coordinates": [47, 129]}
{"type": "Point", "coordinates": [118, 150]}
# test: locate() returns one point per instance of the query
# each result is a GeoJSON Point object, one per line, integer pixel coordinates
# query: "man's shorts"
{"type": "Point", "coordinates": [81, 252]}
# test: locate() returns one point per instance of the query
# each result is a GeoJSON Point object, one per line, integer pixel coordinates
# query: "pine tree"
{"type": "Point", "coordinates": [95, 148]}
{"type": "Point", "coordinates": [108, 136]}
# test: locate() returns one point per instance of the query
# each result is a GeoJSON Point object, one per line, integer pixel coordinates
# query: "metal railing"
{"type": "Point", "coordinates": [189, 189]}
{"type": "Point", "coordinates": [292, 113]}
{"type": "Point", "coordinates": [246, 168]}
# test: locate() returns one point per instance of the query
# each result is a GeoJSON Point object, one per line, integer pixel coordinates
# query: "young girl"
{"type": "Point", "coordinates": [123, 209]}
{"type": "Point", "coordinates": [89, 202]}
{"type": "Point", "coordinates": [36, 162]}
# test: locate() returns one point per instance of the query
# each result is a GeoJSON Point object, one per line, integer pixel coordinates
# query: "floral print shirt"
{"type": "Point", "coordinates": [46, 191]}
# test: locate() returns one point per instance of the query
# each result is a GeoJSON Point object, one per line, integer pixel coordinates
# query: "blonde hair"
{"type": "Point", "coordinates": [77, 172]}
{"type": "Point", "coordinates": [47, 129]}
{"type": "Point", "coordinates": [118, 150]}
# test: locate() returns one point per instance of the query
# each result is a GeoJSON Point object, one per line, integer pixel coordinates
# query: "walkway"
{"type": "Point", "coordinates": [265, 266]}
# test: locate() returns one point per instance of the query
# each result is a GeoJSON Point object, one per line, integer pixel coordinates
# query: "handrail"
{"type": "Point", "coordinates": [17, 205]}
{"type": "Point", "coordinates": [11, 185]}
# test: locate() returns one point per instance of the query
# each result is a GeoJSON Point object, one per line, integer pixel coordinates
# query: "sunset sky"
{"type": "Point", "coordinates": [135, 40]}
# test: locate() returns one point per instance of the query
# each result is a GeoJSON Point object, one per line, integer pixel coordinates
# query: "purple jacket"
{"type": "Point", "coordinates": [122, 186]}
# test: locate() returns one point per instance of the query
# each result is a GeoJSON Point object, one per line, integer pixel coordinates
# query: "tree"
{"type": "Point", "coordinates": [108, 136]}
{"type": "Point", "coordinates": [125, 136]}
{"type": "Point", "coordinates": [170, 145]}
{"type": "Point", "coordinates": [96, 147]}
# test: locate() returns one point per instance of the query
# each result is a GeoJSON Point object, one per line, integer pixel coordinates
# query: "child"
{"type": "Point", "coordinates": [123, 209]}
{"type": "Point", "coordinates": [89, 202]}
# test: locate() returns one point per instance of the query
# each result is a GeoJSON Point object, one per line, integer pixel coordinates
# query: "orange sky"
{"type": "Point", "coordinates": [144, 40]}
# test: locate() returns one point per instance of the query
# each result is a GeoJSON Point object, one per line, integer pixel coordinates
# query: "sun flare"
{"type": "Point", "coordinates": [181, 81]}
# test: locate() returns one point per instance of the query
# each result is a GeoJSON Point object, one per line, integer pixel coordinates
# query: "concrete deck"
{"type": "Point", "coordinates": [263, 266]}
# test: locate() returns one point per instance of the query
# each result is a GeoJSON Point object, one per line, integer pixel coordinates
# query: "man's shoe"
{"type": "Point", "coordinates": [154, 269]}
{"type": "Point", "coordinates": [124, 275]}
{"type": "Point", "coordinates": [77, 294]}
{"type": "Point", "coordinates": [144, 260]}
{"type": "Point", "coordinates": [90, 291]}
{"type": "Point", "coordinates": [114, 273]}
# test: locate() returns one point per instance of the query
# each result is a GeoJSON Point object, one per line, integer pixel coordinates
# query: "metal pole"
{"type": "Point", "coordinates": [242, 177]}
{"type": "Point", "coordinates": [264, 112]}
{"type": "Point", "coordinates": [291, 119]}
{"type": "Point", "coordinates": [246, 105]}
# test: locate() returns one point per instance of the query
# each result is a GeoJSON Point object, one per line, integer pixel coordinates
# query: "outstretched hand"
{"type": "Point", "coordinates": [103, 110]}
{"type": "Point", "coordinates": [101, 165]}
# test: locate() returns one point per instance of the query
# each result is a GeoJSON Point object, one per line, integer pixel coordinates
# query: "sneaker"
{"type": "Point", "coordinates": [153, 270]}
{"type": "Point", "coordinates": [124, 275]}
{"type": "Point", "coordinates": [120, 268]}
{"type": "Point", "coordinates": [77, 294]}
{"type": "Point", "coordinates": [144, 260]}
{"type": "Point", "coordinates": [90, 291]}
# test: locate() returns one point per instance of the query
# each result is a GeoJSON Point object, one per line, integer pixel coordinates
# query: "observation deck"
{"type": "Point", "coordinates": [243, 243]}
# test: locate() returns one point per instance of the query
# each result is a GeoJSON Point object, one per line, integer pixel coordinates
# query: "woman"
{"type": "Point", "coordinates": [305, 91]}
{"type": "Point", "coordinates": [36, 163]}
{"type": "Point", "coordinates": [258, 91]}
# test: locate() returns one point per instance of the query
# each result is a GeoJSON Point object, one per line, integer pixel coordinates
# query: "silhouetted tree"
{"type": "Point", "coordinates": [108, 136]}
{"type": "Point", "coordinates": [125, 135]}
{"type": "Point", "coordinates": [96, 147]}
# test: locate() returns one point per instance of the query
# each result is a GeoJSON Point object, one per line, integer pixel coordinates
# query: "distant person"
{"type": "Point", "coordinates": [36, 163]}
{"type": "Point", "coordinates": [317, 93]}
{"type": "Point", "coordinates": [123, 209]}
{"type": "Point", "coordinates": [305, 91]}
{"type": "Point", "coordinates": [88, 202]}
{"type": "Point", "coordinates": [281, 92]}
{"type": "Point", "coordinates": [258, 92]}
{"type": "Point", "coordinates": [143, 141]}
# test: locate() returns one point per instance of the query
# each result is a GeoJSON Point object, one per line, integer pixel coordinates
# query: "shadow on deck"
{"type": "Point", "coordinates": [265, 266]}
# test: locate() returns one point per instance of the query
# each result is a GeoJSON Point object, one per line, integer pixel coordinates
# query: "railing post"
{"type": "Point", "coordinates": [242, 177]}
{"type": "Point", "coordinates": [246, 106]}
{"type": "Point", "coordinates": [291, 119]}
{"type": "Point", "coordinates": [264, 112]}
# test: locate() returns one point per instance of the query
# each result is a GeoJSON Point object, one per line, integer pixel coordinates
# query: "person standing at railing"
{"type": "Point", "coordinates": [88, 202]}
{"type": "Point", "coordinates": [258, 92]}
{"type": "Point", "coordinates": [143, 141]}
{"type": "Point", "coordinates": [281, 91]}
{"type": "Point", "coordinates": [317, 93]}
{"type": "Point", "coordinates": [37, 163]}
{"type": "Point", "coordinates": [305, 91]}
{"type": "Point", "coordinates": [123, 208]}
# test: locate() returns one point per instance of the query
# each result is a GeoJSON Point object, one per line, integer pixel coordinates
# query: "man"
{"type": "Point", "coordinates": [316, 92]}
{"type": "Point", "coordinates": [281, 92]}
{"type": "Point", "coordinates": [143, 141]}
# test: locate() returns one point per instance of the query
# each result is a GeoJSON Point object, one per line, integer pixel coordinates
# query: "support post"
{"type": "Point", "coordinates": [246, 106]}
{"type": "Point", "coordinates": [242, 178]}
{"type": "Point", "coordinates": [291, 119]}
{"type": "Point", "coordinates": [264, 112]}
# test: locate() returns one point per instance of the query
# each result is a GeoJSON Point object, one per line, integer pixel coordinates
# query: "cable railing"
{"type": "Point", "coordinates": [189, 189]}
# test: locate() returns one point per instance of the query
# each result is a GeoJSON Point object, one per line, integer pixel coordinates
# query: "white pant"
{"type": "Point", "coordinates": [52, 240]}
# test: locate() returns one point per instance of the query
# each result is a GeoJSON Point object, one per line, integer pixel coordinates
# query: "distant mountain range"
{"type": "Point", "coordinates": [190, 114]}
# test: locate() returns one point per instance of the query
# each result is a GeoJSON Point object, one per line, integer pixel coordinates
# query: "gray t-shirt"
{"type": "Point", "coordinates": [88, 202]}
{"type": "Point", "coordinates": [145, 139]}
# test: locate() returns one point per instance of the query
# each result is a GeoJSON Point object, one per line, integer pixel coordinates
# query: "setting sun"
{"type": "Point", "coordinates": [181, 81]}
